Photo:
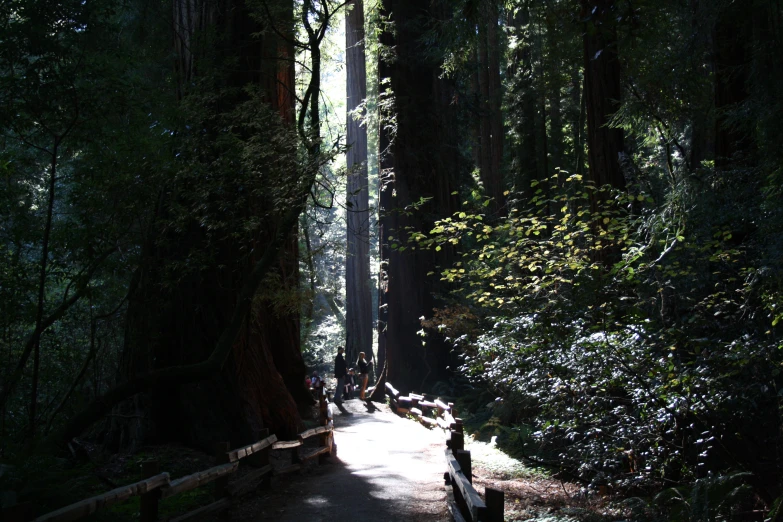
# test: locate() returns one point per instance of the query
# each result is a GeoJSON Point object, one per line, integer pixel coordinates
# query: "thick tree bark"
{"type": "Point", "coordinates": [358, 294]}
{"type": "Point", "coordinates": [256, 383]}
{"type": "Point", "coordinates": [213, 371]}
{"type": "Point", "coordinates": [424, 154]}
{"type": "Point", "coordinates": [603, 92]}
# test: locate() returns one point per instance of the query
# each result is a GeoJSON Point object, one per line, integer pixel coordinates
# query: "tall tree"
{"type": "Point", "coordinates": [419, 175]}
{"type": "Point", "coordinates": [603, 92]}
{"type": "Point", "coordinates": [491, 96]}
{"type": "Point", "coordinates": [358, 294]}
{"type": "Point", "coordinates": [733, 42]}
{"type": "Point", "coordinates": [200, 258]}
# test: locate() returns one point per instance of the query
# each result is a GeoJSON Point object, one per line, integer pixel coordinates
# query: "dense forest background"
{"type": "Point", "coordinates": [572, 206]}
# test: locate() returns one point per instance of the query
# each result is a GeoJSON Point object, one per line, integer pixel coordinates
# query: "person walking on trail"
{"type": "Point", "coordinates": [363, 374]}
{"type": "Point", "coordinates": [340, 372]}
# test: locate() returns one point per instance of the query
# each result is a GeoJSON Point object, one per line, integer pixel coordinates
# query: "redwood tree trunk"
{"type": "Point", "coordinates": [424, 159]}
{"type": "Point", "coordinates": [172, 323]}
{"type": "Point", "coordinates": [525, 94]}
{"type": "Point", "coordinates": [358, 294]}
{"type": "Point", "coordinates": [603, 92]}
{"type": "Point", "coordinates": [495, 91]}
{"type": "Point", "coordinates": [732, 50]}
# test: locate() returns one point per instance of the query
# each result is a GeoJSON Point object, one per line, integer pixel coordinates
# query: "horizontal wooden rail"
{"type": "Point", "coordinates": [475, 505]}
{"type": "Point", "coordinates": [91, 505]}
{"type": "Point", "coordinates": [392, 391]}
{"type": "Point", "coordinates": [197, 479]}
{"type": "Point", "coordinates": [246, 451]}
{"type": "Point", "coordinates": [160, 486]}
{"type": "Point", "coordinates": [315, 431]}
{"type": "Point", "coordinates": [464, 502]}
{"type": "Point", "coordinates": [286, 444]}
{"type": "Point", "coordinates": [442, 406]}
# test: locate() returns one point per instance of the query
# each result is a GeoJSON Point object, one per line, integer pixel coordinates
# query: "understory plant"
{"type": "Point", "coordinates": [639, 340]}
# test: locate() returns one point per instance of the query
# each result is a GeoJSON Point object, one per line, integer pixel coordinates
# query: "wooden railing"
{"type": "Point", "coordinates": [464, 502]}
{"type": "Point", "coordinates": [156, 486]}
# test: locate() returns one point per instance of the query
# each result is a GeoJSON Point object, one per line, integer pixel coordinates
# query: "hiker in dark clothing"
{"type": "Point", "coordinates": [340, 373]}
{"type": "Point", "coordinates": [350, 384]}
{"type": "Point", "coordinates": [363, 374]}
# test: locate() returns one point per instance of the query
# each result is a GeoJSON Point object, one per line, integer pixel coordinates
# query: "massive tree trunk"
{"type": "Point", "coordinates": [358, 294]}
{"type": "Point", "coordinates": [176, 321]}
{"type": "Point", "coordinates": [603, 92]}
{"type": "Point", "coordinates": [424, 156]}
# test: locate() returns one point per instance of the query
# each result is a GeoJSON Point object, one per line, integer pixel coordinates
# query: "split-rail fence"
{"type": "Point", "coordinates": [464, 502]}
{"type": "Point", "coordinates": [156, 485]}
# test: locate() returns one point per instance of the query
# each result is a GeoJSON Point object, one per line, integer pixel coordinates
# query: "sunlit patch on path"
{"type": "Point", "coordinates": [387, 469]}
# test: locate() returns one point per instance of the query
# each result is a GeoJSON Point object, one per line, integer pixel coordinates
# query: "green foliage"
{"type": "Point", "coordinates": [629, 336]}
{"type": "Point", "coordinates": [711, 499]}
{"type": "Point", "coordinates": [80, 101]}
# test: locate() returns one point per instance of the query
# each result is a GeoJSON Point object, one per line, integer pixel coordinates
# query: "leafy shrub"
{"type": "Point", "coordinates": [639, 341]}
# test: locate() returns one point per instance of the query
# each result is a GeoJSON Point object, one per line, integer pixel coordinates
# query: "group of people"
{"type": "Point", "coordinates": [346, 378]}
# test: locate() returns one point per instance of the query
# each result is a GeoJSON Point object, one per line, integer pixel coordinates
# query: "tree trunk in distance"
{"type": "Point", "coordinates": [358, 294]}
{"type": "Point", "coordinates": [603, 92]}
{"type": "Point", "coordinates": [42, 286]}
{"type": "Point", "coordinates": [475, 101]}
{"type": "Point", "coordinates": [732, 41]}
{"type": "Point", "coordinates": [526, 161]}
{"type": "Point", "coordinates": [485, 114]}
{"type": "Point", "coordinates": [495, 99]}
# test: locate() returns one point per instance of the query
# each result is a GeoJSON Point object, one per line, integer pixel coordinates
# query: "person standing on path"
{"type": "Point", "coordinates": [363, 374]}
{"type": "Point", "coordinates": [340, 373]}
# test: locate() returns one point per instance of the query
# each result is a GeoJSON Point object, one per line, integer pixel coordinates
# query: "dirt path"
{"type": "Point", "coordinates": [386, 469]}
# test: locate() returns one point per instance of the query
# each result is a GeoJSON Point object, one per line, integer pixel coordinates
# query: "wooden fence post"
{"type": "Point", "coordinates": [463, 457]}
{"type": "Point", "coordinates": [261, 458]}
{"type": "Point", "coordinates": [221, 457]}
{"type": "Point", "coordinates": [495, 500]}
{"type": "Point", "coordinates": [149, 500]}
{"type": "Point", "coordinates": [457, 442]}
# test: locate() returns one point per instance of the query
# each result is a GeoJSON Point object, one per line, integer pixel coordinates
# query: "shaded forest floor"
{"type": "Point", "coordinates": [386, 468]}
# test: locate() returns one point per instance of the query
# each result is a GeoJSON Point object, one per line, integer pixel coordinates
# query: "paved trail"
{"type": "Point", "coordinates": [386, 469]}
